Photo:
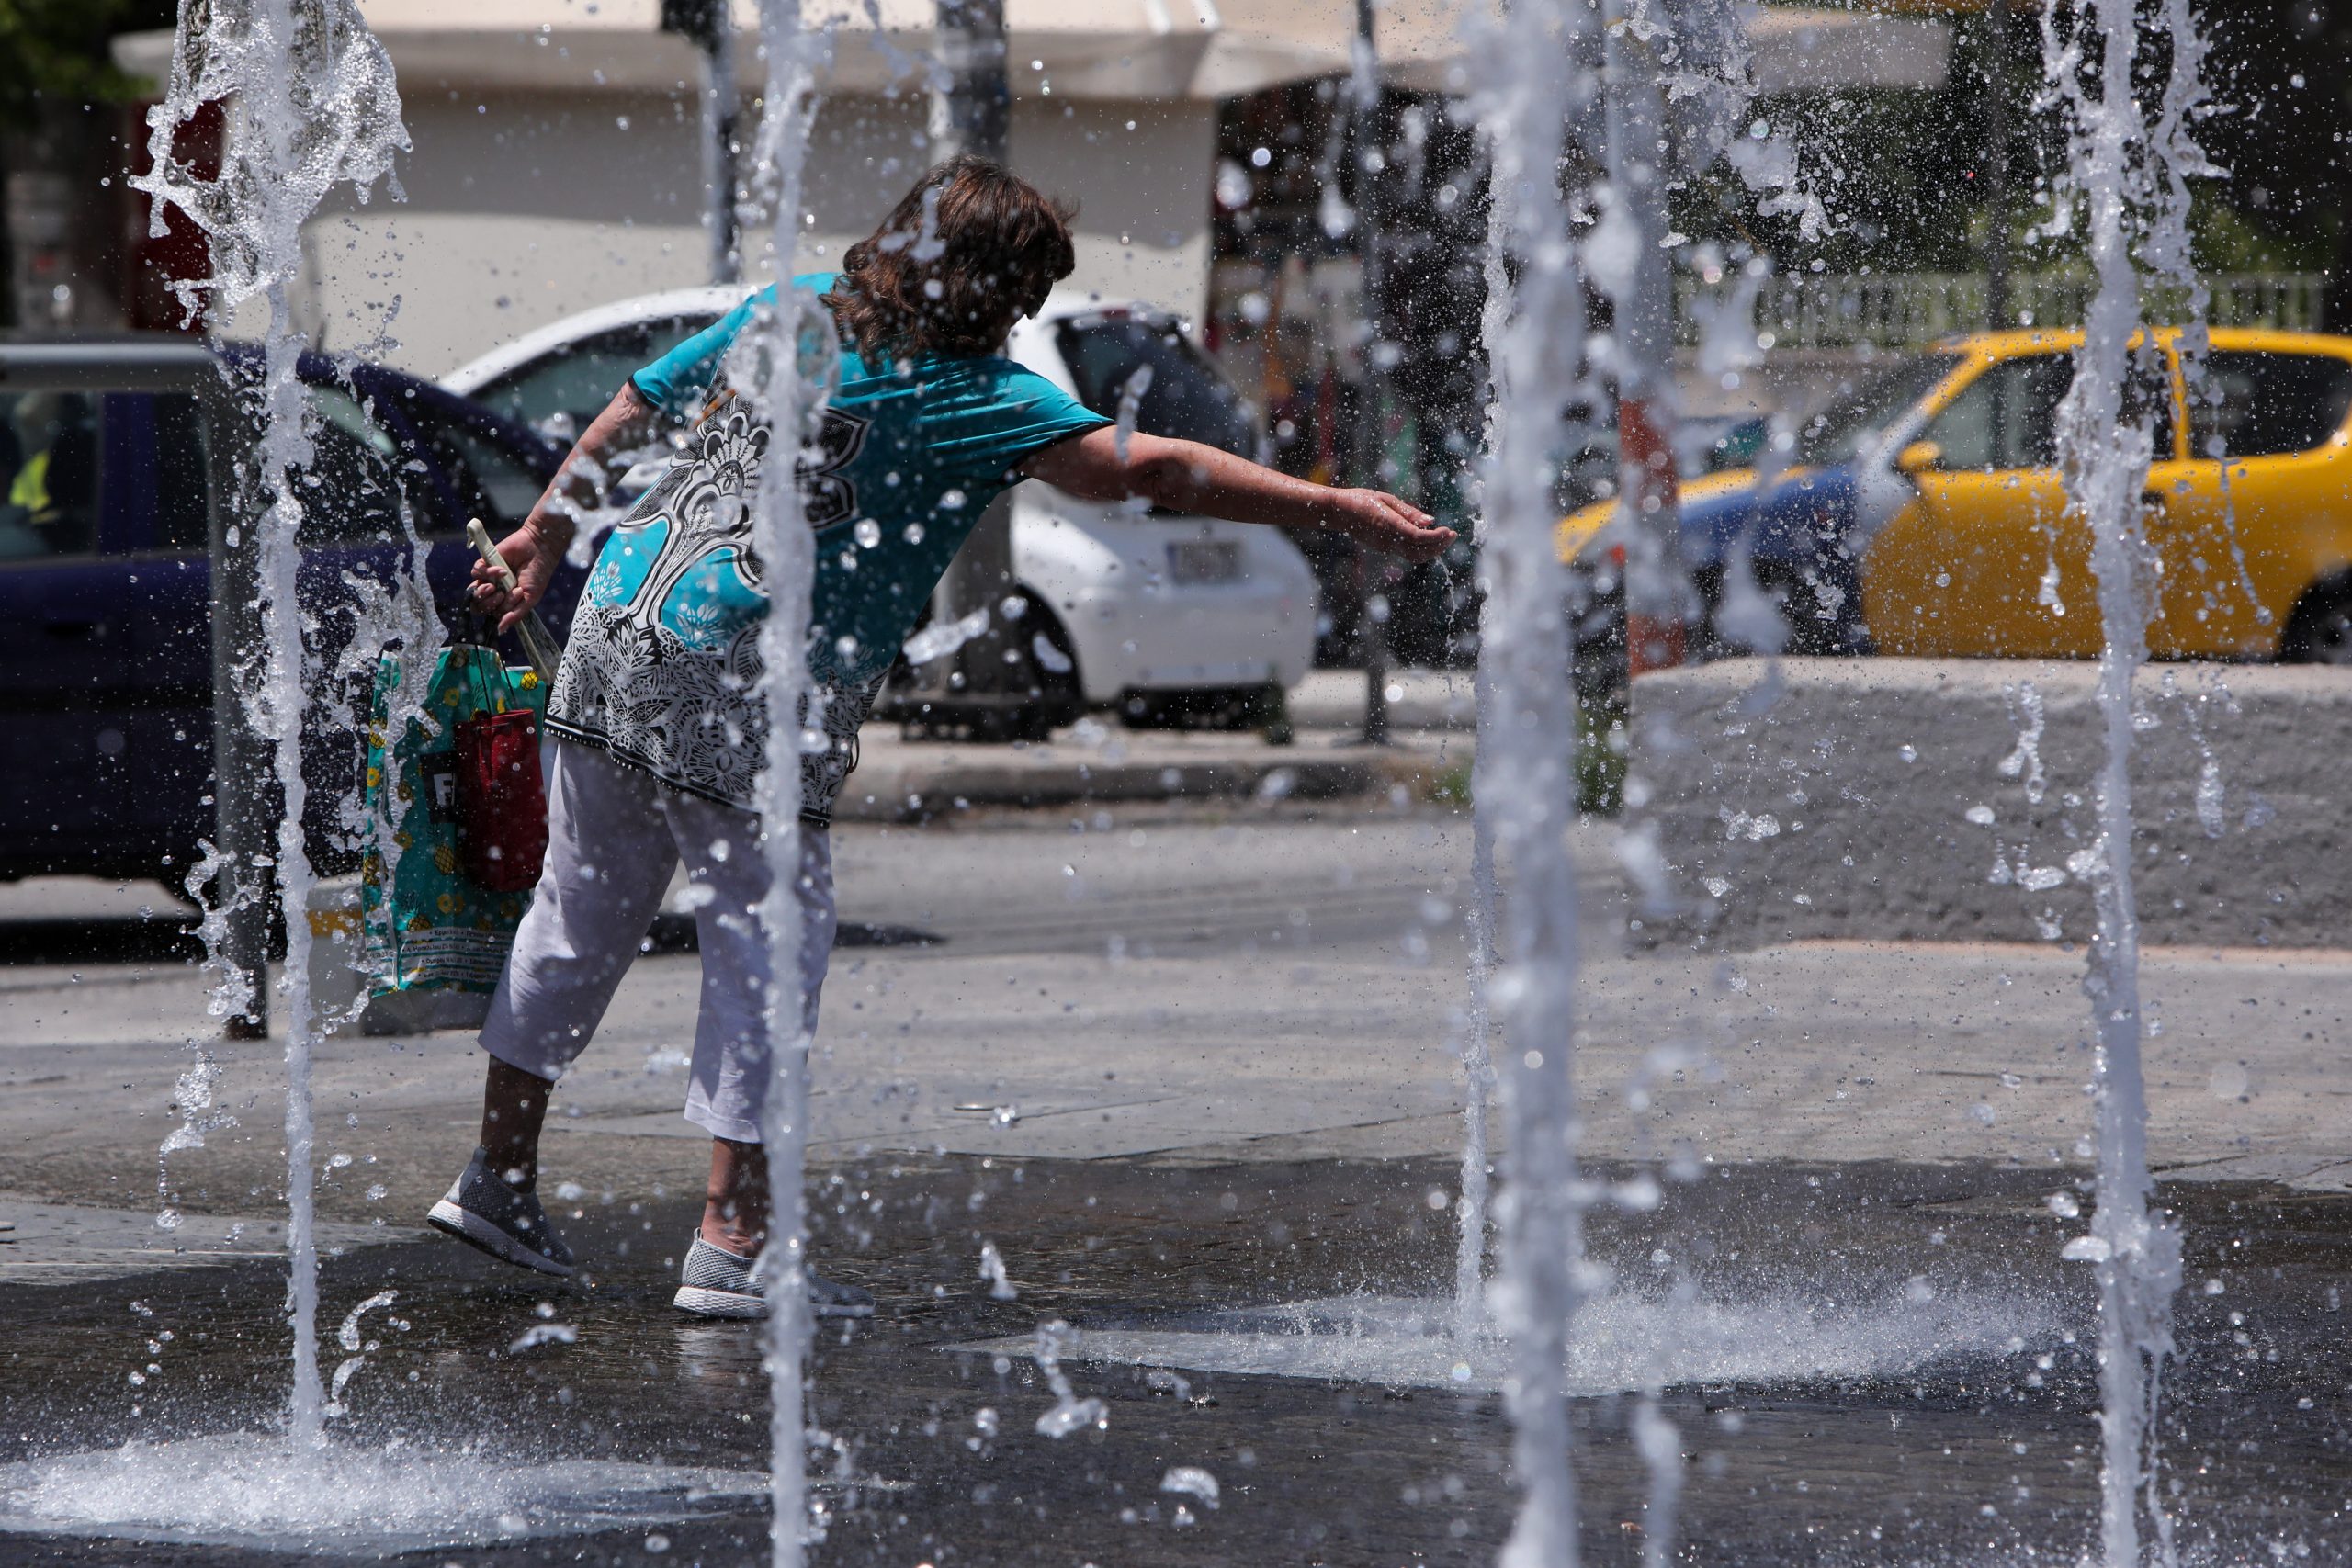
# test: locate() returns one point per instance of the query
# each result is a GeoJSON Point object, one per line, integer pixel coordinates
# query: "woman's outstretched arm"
{"type": "Point", "coordinates": [1185, 476]}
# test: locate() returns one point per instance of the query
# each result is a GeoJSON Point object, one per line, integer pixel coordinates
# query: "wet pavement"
{"type": "Point", "coordinates": [1190, 1074]}
{"type": "Point", "coordinates": [1923, 1444]}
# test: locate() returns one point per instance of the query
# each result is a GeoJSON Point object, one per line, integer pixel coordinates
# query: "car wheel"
{"type": "Point", "coordinates": [2320, 630]}
{"type": "Point", "coordinates": [1056, 698]}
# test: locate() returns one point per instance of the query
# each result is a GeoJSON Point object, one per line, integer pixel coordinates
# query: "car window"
{"type": "Point", "coordinates": [1859, 411]}
{"type": "Point", "coordinates": [1187, 397]}
{"type": "Point", "coordinates": [2261, 405]}
{"type": "Point", "coordinates": [49, 474]}
{"type": "Point", "coordinates": [2006, 419]}
{"type": "Point", "coordinates": [562, 391]}
{"type": "Point", "coordinates": [491, 481]}
{"type": "Point", "coordinates": [181, 479]}
{"type": "Point", "coordinates": [350, 491]}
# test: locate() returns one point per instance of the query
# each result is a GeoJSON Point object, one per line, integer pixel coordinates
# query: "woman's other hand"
{"type": "Point", "coordinates": [533, 558]}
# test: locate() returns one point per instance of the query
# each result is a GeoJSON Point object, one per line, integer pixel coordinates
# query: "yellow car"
{"type": "Point", "coordinates": [1921, 512]}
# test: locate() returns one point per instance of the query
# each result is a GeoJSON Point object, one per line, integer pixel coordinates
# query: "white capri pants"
{"type": "Point", "coordinates": [614, 837]}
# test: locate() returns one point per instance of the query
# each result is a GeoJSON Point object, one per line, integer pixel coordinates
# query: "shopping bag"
{"type": "Point", "coordinates": [428, 923]}
{"type": "Point", "coordinates": [502, 801]}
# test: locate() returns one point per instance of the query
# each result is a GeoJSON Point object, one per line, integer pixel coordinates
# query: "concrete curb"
{"type": "Point", "coordinates": [894, 788]}
{"type": "Point", "coordinates": [1953, 799]}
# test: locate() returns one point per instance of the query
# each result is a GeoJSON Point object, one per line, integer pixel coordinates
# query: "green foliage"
{"type": "Point", "coordinates": [57, 49]}
{"type": "Point", "coordinates": [1903, 172]}
{"type": "Point", "coordinates": [1602, 764]}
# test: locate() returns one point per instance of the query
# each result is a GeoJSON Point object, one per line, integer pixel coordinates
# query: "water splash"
{"type": "Point", "coordinates": [2104, 455]}
{"type": "Point", "coordinates": [1539, 71]}
{"type": "Point", "coordinates": [248, 1490]}
{"type": "Point", "coordinates": [1618, 1341]}
{"type": "Point", "coordinates": [192, 1097]}
{"type": "Point", "coordinates": [992, 1271]}
{"type": "Point", "coordinates": [939, 641]}
{"type": "Point", "coordinates": [1624, 253]}
{"type": "Point", "coordinates": [2024, 761]}
{"type": "Point", "coordinates": [1191, 1480]}
{"type": "Point", "coordinates": [786, 361]}
{"type": "Point", "coordinates": [1476, 1049]}
{"type": "Point", "coordinates": [1660, 1444]}
{"type": "Point", "coordinates": [313, 104]}
{"type": "Point", "coordinates": [1131, 393]}
{"type": "Point", "coordinates": [1069, 1414]}
{"type": "Point", "coordinates": [1477, 1023]}
{"type": "Point", "coordinates": [347, 1335]}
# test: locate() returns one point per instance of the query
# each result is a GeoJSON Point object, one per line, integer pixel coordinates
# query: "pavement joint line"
{"type": "Point", "coordinates": [2301, 957]}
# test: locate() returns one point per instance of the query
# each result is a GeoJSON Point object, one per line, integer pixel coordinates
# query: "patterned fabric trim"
{"type": "Point", "coordinates": [822, 776]}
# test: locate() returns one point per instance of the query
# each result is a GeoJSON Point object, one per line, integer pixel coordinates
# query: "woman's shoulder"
{"type": "Point", "coordinates": [980, 370]}
{"type": "Point", "coordinates": [929, 372]}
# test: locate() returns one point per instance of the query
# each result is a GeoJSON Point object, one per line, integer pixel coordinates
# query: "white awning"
{"type": "Point", "coordinates": [1201, 50]}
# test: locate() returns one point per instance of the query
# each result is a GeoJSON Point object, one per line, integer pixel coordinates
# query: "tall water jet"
{"type": "Point", "coordinates": [787, 355]}
{"type": "Point", "coordinates": [1627, 257]}
{"type": "Point", "coordinates": [311, 103]}
{"type": "Point", "coordinates": [1478, 926]}
{"type": "Point", "coordinates": [1476, 1046]}
{"type": "Point", "coordinates": [1539, 68]}
{"type": "Point", "coordinates": [2105, 447]}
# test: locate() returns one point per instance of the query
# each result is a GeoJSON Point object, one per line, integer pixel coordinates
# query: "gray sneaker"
{"type": "Point", "coordinates": [719, 1283]}
{"type": "Point", "coordinates": [485, 1211]}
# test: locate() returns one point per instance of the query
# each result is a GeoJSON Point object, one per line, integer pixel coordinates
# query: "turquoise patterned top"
{"type": "Point", "coordinates": [663, 668]}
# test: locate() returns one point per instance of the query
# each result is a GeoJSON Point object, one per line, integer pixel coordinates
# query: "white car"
{"type": "Point", "coordinates": [1159, 615]}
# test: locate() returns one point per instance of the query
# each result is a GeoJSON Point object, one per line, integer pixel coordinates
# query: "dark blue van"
{"type": "Point", "coordinates": [114, 455]}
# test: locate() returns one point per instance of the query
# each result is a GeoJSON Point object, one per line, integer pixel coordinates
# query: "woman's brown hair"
{"type": "Point", "coordinates": [965, 254]}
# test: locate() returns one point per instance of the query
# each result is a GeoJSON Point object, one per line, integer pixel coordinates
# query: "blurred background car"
{"type": "Point", "coordinates": [115, 455]}
{"type": "Point", "coordinates": [1160, 618]}
{"type": "Point", "coordinates": [1921, 511]}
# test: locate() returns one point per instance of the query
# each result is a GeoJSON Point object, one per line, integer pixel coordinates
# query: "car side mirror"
{"type": "Point", "coordinates": [1919, 457]}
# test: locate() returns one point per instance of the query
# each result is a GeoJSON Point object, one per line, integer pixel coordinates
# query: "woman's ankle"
{"type": "Point", "coordinates": [730, 1235]}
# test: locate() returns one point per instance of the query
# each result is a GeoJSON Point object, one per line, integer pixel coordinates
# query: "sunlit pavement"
{"type": "Point", "coordinates": [1172, 1066]}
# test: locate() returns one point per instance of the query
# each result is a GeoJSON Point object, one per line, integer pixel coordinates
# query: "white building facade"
{"type": "Point", "coordinates": [557, 151]}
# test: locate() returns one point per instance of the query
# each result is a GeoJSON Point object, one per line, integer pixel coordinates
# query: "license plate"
{"type": "Point", "coordinates": [1204, 560]}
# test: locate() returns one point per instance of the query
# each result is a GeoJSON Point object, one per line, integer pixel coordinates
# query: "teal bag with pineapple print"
{"type": "Point", "coordinates": [425, 925]}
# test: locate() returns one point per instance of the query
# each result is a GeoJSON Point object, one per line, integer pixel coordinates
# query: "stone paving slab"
{"type": "Point", "coordinates": [1185, 993]}
{"type": "Point", "coordinates": [56, 1244]}
{"type": "Point", "coordinates": [1952, 799]}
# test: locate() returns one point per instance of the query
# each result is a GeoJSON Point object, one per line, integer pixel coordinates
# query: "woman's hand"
{"type": "Point", "coordinates": [1380, 522]}
{"type": "Point", "coordinates": [535, 549]}
{"type": "Point", "coordinates": [533, 557]}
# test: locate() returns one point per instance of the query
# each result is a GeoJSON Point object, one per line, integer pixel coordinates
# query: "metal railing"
{"type": "Point", "coordinates": [1906, 310]}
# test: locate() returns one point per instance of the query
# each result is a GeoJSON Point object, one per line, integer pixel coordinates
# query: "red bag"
{"type": "Point", "coordinates": [501, 800]}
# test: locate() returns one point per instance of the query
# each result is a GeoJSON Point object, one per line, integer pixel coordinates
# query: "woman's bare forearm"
{"type": "Point", "coordinates": [578, 481]}
{"type": "Point", "coordinates": [1186, 475]}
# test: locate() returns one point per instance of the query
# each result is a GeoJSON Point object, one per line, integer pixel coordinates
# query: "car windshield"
{"type": "Point", "coordinates": [1186, 398]}
{"type": "Point", "coordinates": [1858, 410]}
